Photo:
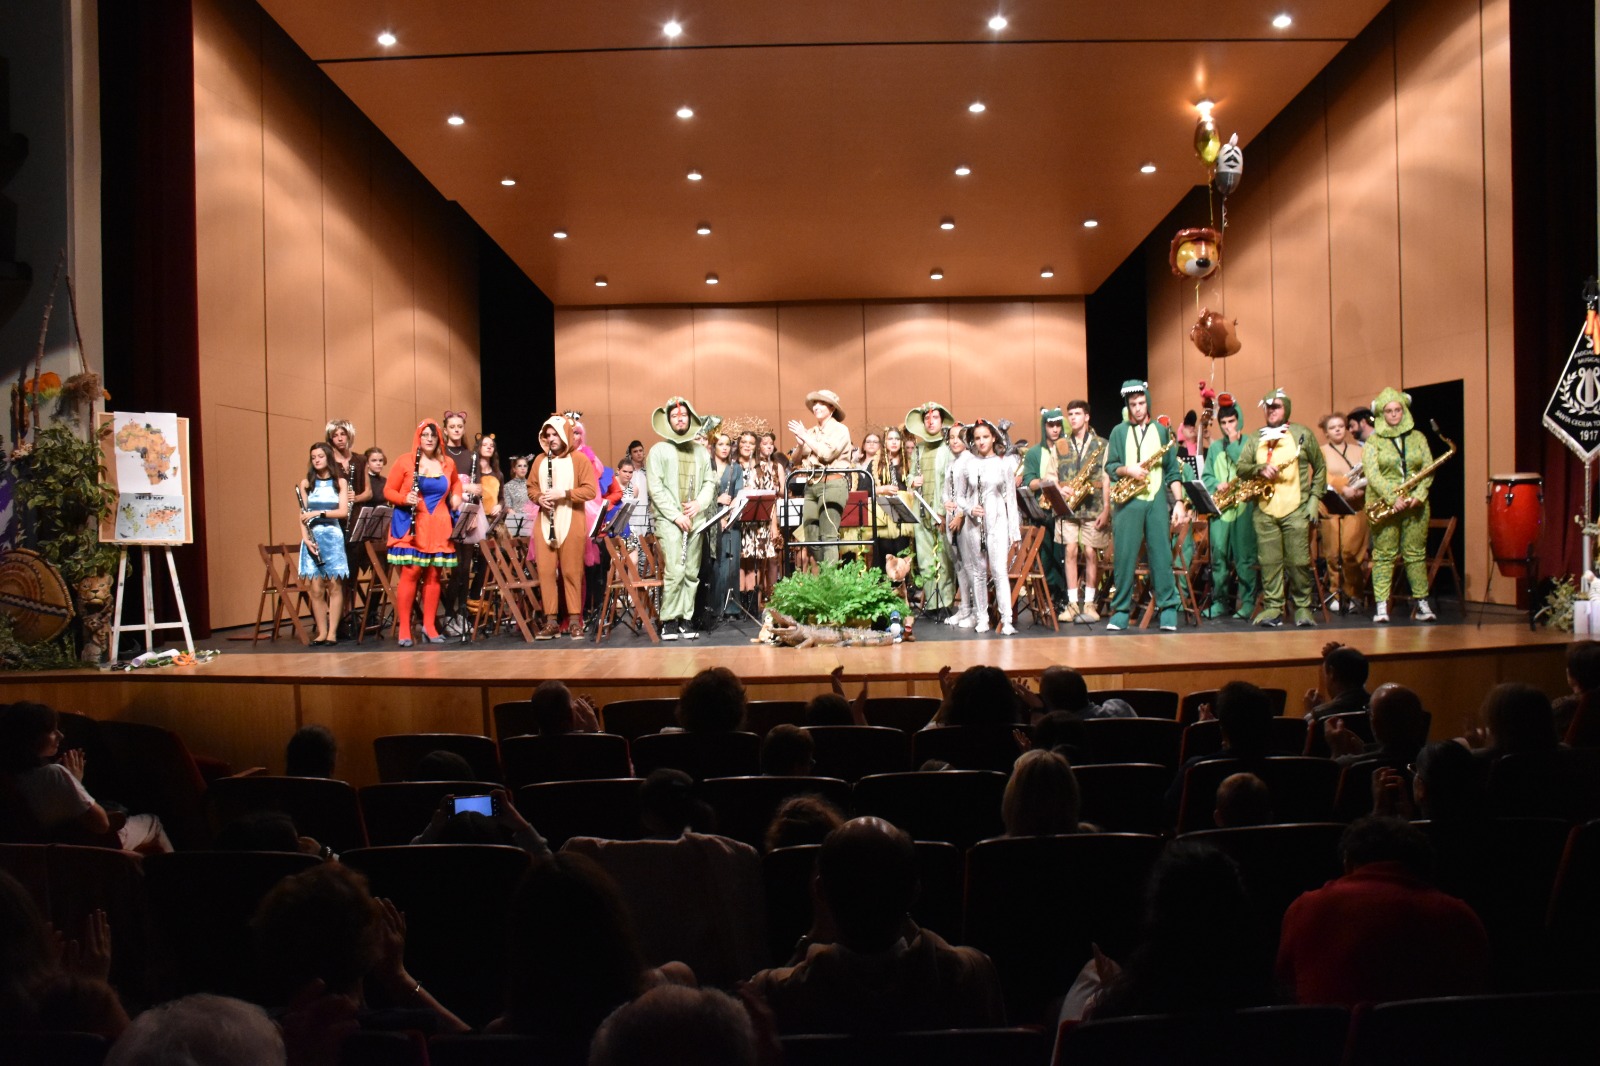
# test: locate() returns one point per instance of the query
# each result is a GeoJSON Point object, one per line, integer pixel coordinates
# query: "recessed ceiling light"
{"type": "Point", "coordinates": [1283, 21]}
{"type": "Point", "coordinates": [963, 170]}
{"type": "Point", "coordinates": [456, 120]}
{"type": "Point", "coordinates": [711, 279]}
{"type": "Point", "coordinates": [704, 229]}
{"type": "Point", "coordinates": [672, 29]}
{"type": "Point", "coordinates": [386, 39]}
{"type": "Point", "coordinates": [560, 234]}
{"type": "Point", "coordinates": [1148, 168]}
{"type": "Point", "coordinates": [686, 112]}
{"type": "Point", "coordinates": [1090, 223]}
{"type": "Point", "coordinates": [936, 274]}
{"type": "Point", "coordinates": [998, 22]}
{"type": "Point", "coordinates": [694, 175]}
{"type": "Point", "coordinates": [1047, 272]}
{"type": "Point", "coordinates": [600, 281]}
{"type": "Point", "coordinates": [508, 182]}
{"type": "Point", "coordinates": [977, 107]}
{"type": "Point", "coordinates": [947, 223]}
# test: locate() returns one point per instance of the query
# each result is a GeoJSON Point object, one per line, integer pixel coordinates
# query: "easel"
{"type": "Point", "coordinates": [150, 625]}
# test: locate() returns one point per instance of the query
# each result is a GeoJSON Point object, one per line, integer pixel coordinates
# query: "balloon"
{"type": "Point", "coordinates": [1196, 252]}
{"type": "Point", "coordinates": [1207, 141]}
{"type": "Point", "coordinates": [1214, 335]}
{"type": "Point", "coordinates": [1230, 167]}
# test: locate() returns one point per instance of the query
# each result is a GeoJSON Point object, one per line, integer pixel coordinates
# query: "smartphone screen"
{"type": "Point", "coordinates": [483, 805]}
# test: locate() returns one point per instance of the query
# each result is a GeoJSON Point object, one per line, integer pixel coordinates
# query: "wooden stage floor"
{"type": "Point", "coordinates": [242, 707]}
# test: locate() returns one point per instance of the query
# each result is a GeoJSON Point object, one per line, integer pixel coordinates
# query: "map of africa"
{"type": "Point", "coordinates": [151, 445]}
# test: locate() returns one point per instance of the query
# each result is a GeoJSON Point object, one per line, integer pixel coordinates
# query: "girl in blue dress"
{"type": "Point", "coordinates": [322, 557]}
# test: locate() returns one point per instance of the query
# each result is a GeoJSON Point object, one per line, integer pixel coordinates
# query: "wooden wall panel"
{"type": "Point", "coordinates": [907, 351]}
{"type": "Point", "coordinates": [821, 347]}
{"type": "Point", "coordinates": [736, 366]}
{"type": "Point", "coordinates": [650, 356]}
{"type": "Point", "coordinates": [357, 715]}
{"type": "Point", "coordinates": [394, 326]}
{"type": "Point", "coordinates": [288, 442]}
{"type": "Point", "coordinates": [227, 54]}
{"type": "Point", "coordinates": [1166, 330]}
{"type": "Point", "coordinates": [433, 322]}
{"type": "Point", "coordinates": [991, 363]}
{"type": "Point", "coordinates": [394, 422]}
{"type": "Point", "coordinates": [1300, 321]}
{"type": "Point", "coordinates": [583, 383]}
{"type": "Point", "coordinates": [1363, 220]}
{"type": "Point", "coordinates": [1496, 68]}
{"type": "Point", "coordinates": [1060, 354]}
{"type": "Point", "coordinates": [236, 520]}
{"type": "Point", "coordinates": [346, 253]}
{"type": "Point", "coordinates": [466, 386]}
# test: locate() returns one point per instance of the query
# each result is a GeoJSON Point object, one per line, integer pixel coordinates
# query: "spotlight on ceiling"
{"type": "Point", "coordinates": [387, 39]}
{"type": "Point", "coordinates": [1090, 223]}
{"type": "Point", "coordinates": [672, 29]}
{"type": "Point", "coordinates": [1282, 22]}
{"type": "Point", "coordinates": [936, 274]}
{"type": "Point", "coordinates": [963, 170]}
{"type": "Point", "coordinates": [947, 223]}
{"type": "Point", "coordinates": [998, 23]}
{"type": "Point", "coordinates": [686, 112]}
{"type": "Point", "coordinates": [694, 175]}
{"type": "Point", "coordinates": [1148, 168]}
{"type": "Point", "coordinates": [977, 107]}
{"type": "Point", "coordinates": [711, 279]}
{"type": "Point", "coordinates": [456, 120]}
{"type": "Point", "coordinates": [704, 229]}
{"type": "Point", "coordinates": [508, 182]}
{"type": "Point", "coordinates": [600, 281]}
{"type": "Point", "coordinates": [1047, 272]}
{"type": "Point", "coordinates": [560, 234]}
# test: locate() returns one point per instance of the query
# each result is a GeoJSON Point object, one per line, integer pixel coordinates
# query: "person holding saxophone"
{"type": "Point", "coordinates": [1285, 458]}
{"type": "Point", "coordinates": [1396, 457]}
{"type": "Point", "coordinates": [1148, 502]}
{"type": "Point", "coordinates": [1081, 467]}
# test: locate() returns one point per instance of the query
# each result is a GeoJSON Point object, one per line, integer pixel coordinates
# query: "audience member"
{"type": "Point", "coordinates": [982, 695]}
{"type": "Point", "coordinates": [1202, 949]}
{"type": "Point", "coordinates": [322, 925]}
{"type": "Point", "coordinates": [73, 1003]}
{"type": "Point", "coordinates": [506, 826]}
{"type": "Point", "coordinates": [200, 1030]}
{"type": "Point", "coordinates": [1399, 728]}
{"type": "Point", "coordinates": [50, 782]}
{"type": "Point", "coordinates": [1583, 677]}
{"type": "Point", "coordinates": [573, 956]}
{"type": "Point", "coordinates": [712, 701]}
{"type": "Point", "coordinates": [787, 751]}
{"type": "Point", "coordinates": [1516, 719]}
{"type": "Point", "coordinates": [1042, 798]}
{"type": "Point", "coordinates": [1450, 787]}
{"type": "Point", "coordinates": [803, 819]}
{"type": "Point", "coordinates": [311, 752]}
{"type": "Point", "coordinates": [1244, 715]}
{"type": "Point", "coordinates": [443, 766]}
{"type": "Point", "coordinates": [1341, 683]}
{"type": "Point", "coordinates": [50, 983]}
{"type": "Point", "coordinates": [264, 831]}
{"type": "Point", "coordinates": [27, 958]}
{"type": "Point", "coordinates": [683, 1026]}
{"type": "Point", "coordinates": [669, 806]}
{"type": "Point", "coordinates": [1242, 799]}
{"type": "Point", "coordinates": [1060, 731]}
{"type": "Point", "coordinates": [556, 710]}
{"type": "Point", "coordinates": [1061, 688]}
{"type": "Point", "coordinates": [867, 966]}
{"type": "Point", "coordinates": [1382, 931]}
{"type": "Point", "coordinates": [828, 708]}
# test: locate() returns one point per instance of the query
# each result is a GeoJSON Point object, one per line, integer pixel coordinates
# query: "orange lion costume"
{"type": "Point", "coordinates": [561, 482]}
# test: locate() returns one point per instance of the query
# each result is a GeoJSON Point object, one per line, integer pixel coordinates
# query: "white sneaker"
{"type": "Point", "coordinates": [955, 619]}
{"type": "Point", "coordinates": [669, 630]}
{"type": "Point", "coordinates": [1007, 629]}
{"type": "Point", "coordinates": [1381, 615]}
{"type": "Point", "coordinates": [968, 622]}
{"type": "Point", "coordinates": [983, 627]}
{"type": "Point", "coordinates": [1333, 605]}
{"type": "Point", "coordinates": [1425, 612]}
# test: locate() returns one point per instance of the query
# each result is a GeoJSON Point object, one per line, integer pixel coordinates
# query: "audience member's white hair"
{"type": "Point", "coordinates": [200, 1030]}
{"type": "Point", "coordinates": [683, 1026]}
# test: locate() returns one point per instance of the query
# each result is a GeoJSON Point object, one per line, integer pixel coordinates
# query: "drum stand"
{"type": "Point", "coordinates": [1529, 562]}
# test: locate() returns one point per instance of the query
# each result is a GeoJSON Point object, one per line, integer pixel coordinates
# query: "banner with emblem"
{"type": "Point", "coordinates": [1573, 413]}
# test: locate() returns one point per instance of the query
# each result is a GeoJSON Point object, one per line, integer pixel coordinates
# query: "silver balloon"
{"type": "Point", "coordinates": [1230, 167]}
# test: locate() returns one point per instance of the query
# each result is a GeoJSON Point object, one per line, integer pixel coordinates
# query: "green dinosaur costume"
{"type": "Point", "coordinates": [1393, 454]}
{"type": "Point", "coordinates": [1233, 536]}
{"type": "Point", "coordinates": [1283, 523]}
{"type": "Point", "coordinates": [928, 461]}
{"type": "Point", "coordinates": [679, 473]}
{"type": "Point", "coordinates": [1053, 555]}
{"type": "Point", "coordinates": [1146, 520]}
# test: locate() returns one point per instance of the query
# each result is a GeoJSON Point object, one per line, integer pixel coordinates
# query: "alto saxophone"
{"type": "Point", "coordinates": [1243, 489]}
{"type": "Point", "coordinates": [1126, 488]}
{"type": "Point", "coordinates": [1378, 511]}
{"type": "Point", "coordinates": [1082, 484]}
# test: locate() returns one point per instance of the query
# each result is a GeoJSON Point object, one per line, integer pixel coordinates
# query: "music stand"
{"type": "Point", "coordinates": [372, 523]}
{"type": "Point", "coordinates": [515, 522]}
{"type": "Point", "coordinates": [466, 523]}
{"type": "Point", "coordinates": [1339, 507]}
{"type": "Point", "coordinates": [714, 517]}
{"type": "Point", "coordinates": [621, 519]}
{"type": "Point", "coordinates": [1200, 499]}
{"type": "Point", "coordinates": [759, 505]}
{"type": "Point", "coordinates": [1056, 499]}
{"type": "Point", "coordinates": [1336, 504]}
{"type": "Point", "coordinates": [855, 511]}
{"type": "Point", "coordinates": [1032, 511]}
{"type": "Point", "coordinates": [897, 510]}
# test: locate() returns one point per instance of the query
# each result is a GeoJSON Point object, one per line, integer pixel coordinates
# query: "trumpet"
{"type": "Point", "coordinates": [1082, 484]}
{"type": "Point", "coordinates": [1126, 488]}
{"type": "Point", "coordinates": [1378, 511]}
{"type": "Point", "coordinates": [1250, 488]}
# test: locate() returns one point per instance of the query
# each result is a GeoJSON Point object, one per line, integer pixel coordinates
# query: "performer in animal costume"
{"type": "Point", "coordinates": [682, 486]}
{"type": "Point", "coordinates": [925, 427]}
{"type": "Point", "coordinates": [1287, 455]}
{"type": "Point", "coordinates": [561, 482]}
{"type": "Point", "coordinates": [425, 491]}
{"type": "Point", "coordinates": [1396, 451]}
{"type": "Point", "coordinates": [986, 496]}
{"type": "Point", "coordinates": [1039, 465]}
{"type": "Point", "coordinates": [1146, 520]}
{"type": "Point", "coordinates": [1233, 535]}
{"type": "Point", "coordinates": [948, 500]}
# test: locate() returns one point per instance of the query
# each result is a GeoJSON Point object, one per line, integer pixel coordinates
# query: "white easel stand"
{"type": "Point", "coordinates": [150, 624]}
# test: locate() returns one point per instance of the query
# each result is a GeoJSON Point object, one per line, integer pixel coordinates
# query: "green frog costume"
{"type": "Point", "coordinates": [928, 461]}
{"type": "Point", "coordinates": [1233, 536]}
{"type": "Point", "coordinates": [1034, 465]}
{"type": "Point", "coordinates": [1283, 523]}
{"type": "Point", "coordinates": [679, 471]}
{"type": "Point", "coordinates": [1392, 454]}
{"type": "Point", "coordinates": [1144, 521]}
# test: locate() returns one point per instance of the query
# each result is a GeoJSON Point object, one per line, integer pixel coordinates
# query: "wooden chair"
{"type": "Point", "coordinates": [1028, 579]}
{"type": "Point", "coordinates": [1445, 556]}
{"type": "Point", "coordinates": [281, 588]}
{"type": "Point", "coordinates": [376, 588]}
{"type": "Point", "coordinates": [512, 589]}
{"type": "Point", "coordinates": [322, 808]}
{"type": "Point", "coordinates": [1185, 583]}
{"type": "Point", "coordinates": [629, 592]}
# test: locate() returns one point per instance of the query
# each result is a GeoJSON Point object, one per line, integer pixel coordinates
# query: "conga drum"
{"type": "Point", "coordinates": [1516, 516]}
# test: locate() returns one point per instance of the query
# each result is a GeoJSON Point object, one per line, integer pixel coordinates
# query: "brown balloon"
{"type": "Point", "coordinates": [1214, 335]}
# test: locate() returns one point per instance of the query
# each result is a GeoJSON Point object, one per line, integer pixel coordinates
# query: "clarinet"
{"type": "Point", "coordinates": [416, 477]}
{"type": "Point", "coordinates": [549, 483]}
{"type": "Point", "coordinates": [311, 544]}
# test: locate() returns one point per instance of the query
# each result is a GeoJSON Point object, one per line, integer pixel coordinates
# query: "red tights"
{"type": "Point", "coordinates": [406, 595]}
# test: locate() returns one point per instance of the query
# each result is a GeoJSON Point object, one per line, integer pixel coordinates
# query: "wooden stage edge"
{"type": "Point", "coordinates": [242, 707]}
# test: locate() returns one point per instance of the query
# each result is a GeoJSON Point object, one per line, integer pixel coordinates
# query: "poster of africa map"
{"type": "Point", "coordinates": [148, 467]}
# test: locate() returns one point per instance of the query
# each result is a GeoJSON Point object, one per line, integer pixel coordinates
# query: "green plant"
{"type": "Point", "coordinates": [63, 481]}
{"type": "Point", "coordinates": [58, 653]}
{"type": "Point", "coordinates": [1557, 610]}
{"type": "Point", "coordinates": [838, 594]}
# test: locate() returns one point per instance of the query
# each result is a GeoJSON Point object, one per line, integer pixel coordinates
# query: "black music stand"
{"type": "Point", "coordinates": [855, 511]}
{"type": "Point", "coordinates": [1338, 507]}
{"type": "Point", "coordinates": [897, 510]}
{"type": "Point", "coordinates": [1032, 511]}
{"type": "Point", "coordinates": [620, 520]}
{"type": "Point", "coordinates": [466, 522]}
{"type": "Point", "coordinates": [1200, 499]}
{"type": "Point", "coordinates": [1056, 499]}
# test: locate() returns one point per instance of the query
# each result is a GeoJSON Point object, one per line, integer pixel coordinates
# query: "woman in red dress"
{"type": "Point", "coordinates": [424, 489]}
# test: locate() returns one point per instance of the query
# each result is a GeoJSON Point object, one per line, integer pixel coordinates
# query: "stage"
{"type": "Point", "coordinates": [244, 705]}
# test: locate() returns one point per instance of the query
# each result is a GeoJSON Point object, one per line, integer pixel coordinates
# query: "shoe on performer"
{"type": "Point", "coordinates": [1303, 617]}
{"type": "Point", "coordinates": [955, 618]}
{"type": "Point", "coordinates": [1425, 611]}
{"type": "Point", "coordinates": [575, 627]}
{"type": "Point", "coordinates": [1169, 621]}
{"type": "Point", "coordinates": [1380, 616]}
{"type": "Point", "coordinates": [1243, 613]}
{"type": "Point", "coordinates": [1119, 622]}
{"type": "Point", "coordinates": [1218, 609]}
{"type": "Point", "coordinates": [1088, 613]}
{"type": "Point", "coordinates": [669, 629]}
{"type": "Point", "coordinates": [1333, 604]}
{"type": "Point", "coordinates": [549, 630]}
{"type": "Point", "coordinates": [966, 621]}
{"type": "Point", "coordinates": [1268, 619]}
{"type": "Point", "coordinates": [1007, 629]}
{"type": "Point", "coordinates": [982, 627]}
{"type": "Point", "coordinates": [1069, 612]}
{"type": "Point", "coordinates": [687, 631]}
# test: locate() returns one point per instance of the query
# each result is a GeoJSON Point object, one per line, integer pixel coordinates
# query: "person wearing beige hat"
{"type": "Point", "coordinates": [823, 447]}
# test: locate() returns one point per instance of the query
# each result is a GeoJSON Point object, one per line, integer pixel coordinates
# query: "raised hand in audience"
{"type": "Point", "coordinates": [584, 718]}
{"type": "Point", "coordinates": [1205, 713]}
{"type": "Point", "coordinates": [858, 706]}
{"type": "Point", "coordinates": [91, 955]}
{"type": "Point", "coordinates": [1341, 740]}
{"type": "Point", "coordinates": [1026, 694]}
{"type": "Point", "coordinates": [1390, 796]}
{"type": "Point", "coordinates": [391, 973]}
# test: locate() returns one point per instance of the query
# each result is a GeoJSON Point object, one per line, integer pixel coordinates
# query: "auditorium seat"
{"type": "Point", "coordinates": [503, 1049]}
{"type": "Point", "coordinates": [398, 754]}
{"type": "Point", "coordinates": [86, 879]}
{"type": "Point", "coordinates": [514, 718]}
{"type": "Point", "coordinates": [1550, 1028]}
{"type": "Point", "coordinates": [1302, 788]}
{"type": "Point", "coordinates": [377, 1047]}
{"type": "Point", "coordinates": [1357, 722]}
{"type": "Point", "coordinates": [529, 760]}
{"type": "Point", "coordinates": [942, 1047]}
{"type": "Point", "coordinates": [1132, 740]}
{"type": "Point", "coordinates": [1127, 797]}
{"type": "Point", "coordinates": [455, 898]}
{"type": "Point", "coordinates": [959, 807]}
{"type": "Point", "coordinates": [153, 772]}
{"type": "Point", "coordinates": [1146, 702]}
{"type": "Point", "coordinates": [762, 715]}
{"type": "Point", "coordinates": [851, 752]}
{"type": "Point", "coordinates": [635, 718]}
{"type": "Point", "coordinates": [1260, 1036]}
{"type": "Point", "coordinates": [322, 808]}
{"type": "Point", "coordinates": [607, 808]}
{"type": "Point", "coordinates": [1279, 862]}
{"type": "Point", "coordinates": [700, 755]}
{"type": "Point", "coordinates": [397, 811]}
{"type": "Point", "coordinates": [1189, 707]}
{"type": "Point", "coordinates": [745, 805]}
{"type": "Point", "coordinates": [1036, 904]}
{"type": "Point", "coordinates": [1574, 917]}
{"type": "Point", "coordinates": [1353, 798]}
{"type": "Point", "coordinates": [200, 904]}
{"type": "Point", "coordinates": [906, 713]}
{"type": "Point", "coordinates": [53, 1049]}
{"type": "Point", "coordinates": [1287, 737]}
{"type": "Point", "coordinates": [1559, 783]}
{"type": "Point", "coordinates": [967, 747]}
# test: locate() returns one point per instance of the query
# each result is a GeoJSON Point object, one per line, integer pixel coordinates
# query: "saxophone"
{"type": "Point", "coordinates": [1126, 488]}
{"type": "Point", "coordinates": [1243, 489]}
{"type": "Point", "coordinates": [1378, 511]}
{"type": "Point", "coordinates": [1082, 484]}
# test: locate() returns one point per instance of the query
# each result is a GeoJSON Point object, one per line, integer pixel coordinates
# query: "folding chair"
{"type": "Point", "coordinates": [280, 586]}
{"type": "Point", "coordinates": [1026, 569]}
{"type": "Point", "coordinates": [627, 590]}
